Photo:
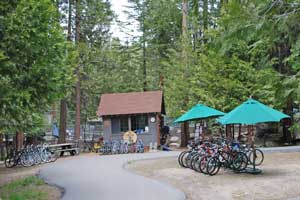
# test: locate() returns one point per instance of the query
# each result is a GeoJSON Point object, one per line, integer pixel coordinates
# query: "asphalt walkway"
{"type": "Point", "coordinates": [95, 177]}
{"type": "Point", "coordinates": [285, 149]}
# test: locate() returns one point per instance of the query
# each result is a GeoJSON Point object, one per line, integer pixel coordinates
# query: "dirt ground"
{"type": "Point", "coordinates": [280, 179]}
{"type": "Point", "coordinates": [8, 175]}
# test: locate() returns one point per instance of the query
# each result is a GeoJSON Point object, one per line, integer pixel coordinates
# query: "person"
{"type": "Point", "coordinates": [166, 129]}
{"type": "Point", "coordinates": [165, 132]}
{"type": "Point", "coordinates": [55, 131]}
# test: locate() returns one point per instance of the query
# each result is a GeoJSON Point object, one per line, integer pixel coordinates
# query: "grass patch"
{"type": "Point", "coordinates": [24, 189]}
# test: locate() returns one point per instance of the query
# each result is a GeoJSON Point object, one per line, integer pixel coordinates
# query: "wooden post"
{"type": "Point", "coordinates": [19, 140]}
{"type": "Point", "coordinates": [249, 134]}
{"type": "Point", "coordinates": [63, 121]}
{"type": "Point", "coordinates": [1, 147]}
{"type": "Point", "coordinates": [78, 85]}
{"type": "Point", "coordinates": [184, 134]}
{"type": "Point", "coordinates": [7, 144]}
{"type": "Point", "coordinates": [53, 113]}
{"type": "Point", "coordinates": [63, 102]}
{"type": "Point", "coordinates": [158, 121]}
{"type": "Point", "coordinates": [129, 123]}
{"type": "Point", "coordinates": [228, 130]}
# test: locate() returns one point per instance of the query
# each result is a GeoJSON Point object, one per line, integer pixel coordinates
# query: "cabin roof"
{"type": "Point", "coordinates": [131, 103]}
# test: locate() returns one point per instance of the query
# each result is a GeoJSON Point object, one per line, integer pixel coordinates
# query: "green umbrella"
{"type": "Point", "coordinates": [252, 112]}
{"type": "Point", "coordinates": [199, 111]}
{"type": "Point", "coordinates": [249, 113]}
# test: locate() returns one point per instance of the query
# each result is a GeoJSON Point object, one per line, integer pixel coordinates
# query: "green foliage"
{"type": "Point", "coordinates": [34, 69]}
{"type": "Point", "coordinates": [234, 50]}
{"type": "Point", "coordinates": [23, 189]}
{"type": "Point", "coordinates": [95, 22]}
{"type": "Point", "coordinates": [252, 50]}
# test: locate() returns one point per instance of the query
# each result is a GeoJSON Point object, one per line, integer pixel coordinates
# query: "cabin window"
{"type": "Point", "coordinates": [124, 124]}
{"type": "Point", "coordinates": [119, 124]}
{"type": "Point", "coordinates": [139, 122]}
{"type": "Point", "coordinates": [115, 125]}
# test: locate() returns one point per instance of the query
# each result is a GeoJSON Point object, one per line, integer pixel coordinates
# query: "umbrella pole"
{"type": "Point", "coordinates": [253, 147]}
{"type": "Point", "coordinates": [232, 131]}
{"type": "Point", "coordinates": [252, 170]}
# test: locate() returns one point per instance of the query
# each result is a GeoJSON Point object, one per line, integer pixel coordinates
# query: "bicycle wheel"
{"type": "Point", "coordinates": [225, 159]}
{"type": "Point", "coordinates": [38, 158]}
{"type": "Point", "coordinates": [197, 164]}
{"type": "Point", "coordinates": [184, 159]}
{"type": "Point", "coordinates": [245, 160]}
{"type": "Point", "coordinates": [44, 156]}
{"type": "Point", "coordinates": [259, 157]}
{"type": "Point", "coordinates": [9, 162]}
{"type": "Point", "coordinates": [53, 156]}
{"type": "Point", "coordinates": [189, 159]}
{"type": "Point", "coordinates": [126, 149]}
{"type": "Point", "coordinates": [180, 158]}
{"type": "Point", "coordinates": [213, 166]}
{"type": "Point", "coordinates": [240, 162]}
{"type": "Point", "coordinates": [26, 160]}
{"type": "Point", "coordinates": [194, 160]}
{"type": "Point", "coordinates": [203, 163]}
{"type": "Point", "coordinates": [142, 149]}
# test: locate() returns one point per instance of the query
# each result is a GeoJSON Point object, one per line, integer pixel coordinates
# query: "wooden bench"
{"type": "Point", "coordinates": [65, 147]}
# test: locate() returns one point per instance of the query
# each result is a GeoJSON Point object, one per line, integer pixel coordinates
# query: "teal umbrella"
{"type": "Point", "coordinates": [252, 112]}
{"type": "Point", "coordinates": [249, 113]}
{"type": "Point", "coordinates": [199, 111]}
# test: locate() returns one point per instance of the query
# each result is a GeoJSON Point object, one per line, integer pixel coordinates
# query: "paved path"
{"type": "Point", "coordinates": [285, 149]}
{"type": "Point", "coordinates": [90, 176]}
{"type": "Point", "coordinates": [94, 177]}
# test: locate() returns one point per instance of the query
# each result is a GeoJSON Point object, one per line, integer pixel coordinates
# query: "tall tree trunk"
{"type": "Point", "coordinates": [184, 40]}
{"type": "Point", "coordinates": [1, 147]}
{"type": "Point", "coordinates": [19, 140]}
{"type": "Point", "coordinates": [77, 90]}
{"type": "Point", "coordinates": [184, 126]}
{"type": "Point", "coordinates": [184, 134]}
{"type": "Point", "coordinates": [53, 113]}
{"type": "Point", "coordinates": [213, 6]}
{"type": "Point", "coordinates": [144, 52]}
{"type": "Point", "coordinates": [205, 18]}
{"type": "Point", "coordinates": [184, 20]}
{"type": "Point", "coordinates": [144, 66]}
{"type": "Point", "coordinates": [7, 147]}
{"type": "Point", "coordinates": [63, 121]}
{"type": "Point", "coordinates": [69, 36]}
{"type": "Point", "coordinates": [288, 110]}
{"type": "Point", "coordinates": [161, 81]}
{"type": "Point", "coordinates": [195, 23]}
{"type": "Point", "coordinates": [63, 102]}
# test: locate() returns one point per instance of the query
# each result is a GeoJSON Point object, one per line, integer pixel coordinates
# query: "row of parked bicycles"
{"type": "Point", "coordinates": [29, 156]}
{"type": "Point", "coordinates": [208, 157]}
{"type": "Point", "coordinates": [122, 147]}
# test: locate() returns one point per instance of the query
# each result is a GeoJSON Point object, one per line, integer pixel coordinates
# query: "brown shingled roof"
{"type": "Point", "coordinates": [131, 103]}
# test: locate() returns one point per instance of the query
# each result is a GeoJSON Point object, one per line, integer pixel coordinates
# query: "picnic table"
{"type": "Point", "coordinates": [72, 148]}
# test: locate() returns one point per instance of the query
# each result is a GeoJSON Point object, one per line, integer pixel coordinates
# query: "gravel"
{"type": "Point", "coordinates": [280, 179]}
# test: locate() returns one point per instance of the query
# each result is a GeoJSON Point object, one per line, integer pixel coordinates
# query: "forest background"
{"type": "Point", "coordinates": [61, 55]}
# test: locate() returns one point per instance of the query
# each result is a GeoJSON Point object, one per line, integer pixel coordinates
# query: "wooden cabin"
{"type": "Point", "coordinates": [136, 111]}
